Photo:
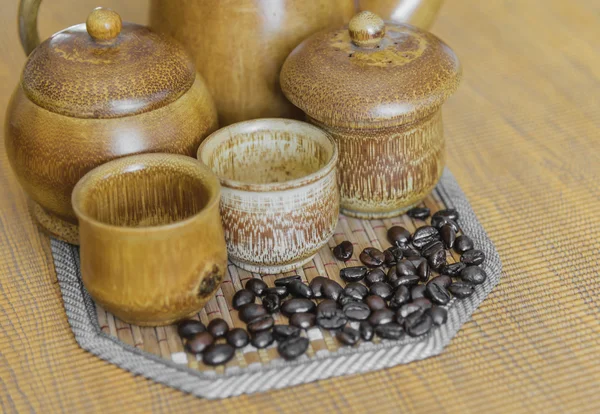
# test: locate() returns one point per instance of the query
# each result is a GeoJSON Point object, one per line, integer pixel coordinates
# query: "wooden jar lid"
{"type": "Point", "coordinates": [106, 69]}
{"type": "Point", "coordinates": [370, 73]}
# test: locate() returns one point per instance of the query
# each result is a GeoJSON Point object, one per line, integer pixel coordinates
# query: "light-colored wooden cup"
{"type": "Point", "coordinates": [280, 199]}
{"type": "Point", "coordinates": [152, 243]}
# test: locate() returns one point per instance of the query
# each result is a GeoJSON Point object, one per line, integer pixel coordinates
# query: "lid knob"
{"type": "Point", "coordinates": [366, 29]}
{"type": "Point", "coordinates": [103, 25]}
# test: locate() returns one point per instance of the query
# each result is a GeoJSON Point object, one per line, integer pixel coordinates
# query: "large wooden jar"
{"type": "Point", "coordinates": [378, 89]}
{"type": "Point", "coordinates": [95, 92]}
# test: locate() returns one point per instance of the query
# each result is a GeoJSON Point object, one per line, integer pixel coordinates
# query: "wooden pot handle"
{"type": "Point", "coordinates": [28, 32]}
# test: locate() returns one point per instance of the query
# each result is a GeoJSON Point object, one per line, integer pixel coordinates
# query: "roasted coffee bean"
{"type": "Point", "coordinates": [348, 335]}
{"type": "Point", "coordinates": [420, 326]}
{"type": "Point", "coordinates": [331, 319]}
{"type": "Point", "coordinates": [327, 304]}
{"type": "Point", "coordinates": [381, 317]}
{"type": "Point", "coordinates": [408, 280]}
{"type": "Point", "coordinates": [343, 251]}
{"type": "Point", "coordinates": [372, 257]}
{"type": "Point", "coordinates": [381, 289]}
{"type": "Point", "coordinates": [251, 311]}
{"type": "Point", "coordinates": [438, 315]}
{"type": "Point", "coordinates": [237, 338]}
{"type": "Point", "coordinates": [283, 332]}
{"type": "Point", "coordinates": [439, 222]}
{"type": "Point", "coordinates": [303, 320]}
{"type": "Point", "coordinates": [437, 260]}
{"type": "Point", "coordinates": [463, 243]}
{"type": "Point", "coordinates": [423, 303]}
{"type": "Point", "coordinates": [292, 348]}
{"type": "Point", "coordinates": [390, 330]}
{"type": "Point", "coordinates": [442, 280]}
{"type": "Point", "coordinates": [366, 331]}
{"type": "Point", "coordinates": [398, 236]}
{"type": "Point", "coordinates": [332, 289]}
{"type": "Point", "coordinates": [410, 308]}
{"type": "Point", "coordinates": [374, 276]}
{"type": "Point", "coordinates": [262, 339]}
{"type": "Point", "coordinates": [217, 327]}
{"type": "Point", "coordinates": [437, 293]}
{"type": "Point", "coordinates": [431, 248]}
{"type": "Point", "coordinates": [473, 274]}
{"type": "Point", "coordinates": [242, 297]}
{"type": "Point", "coordinates": [423, 272]}
{"type": "Point", "coordinates": [392, 255]}
{"type": "Point", "coordinates": [451, 213]}
{"type": "Point", "coordinates": [353, 274]}
{"type": "Point", "coordinates": [417, 292]}
{"type": "Point", "coordinates": [260, 324]}
{"type": "Point", "coordinates": [400, 297]}
{"type": "Point", "coordinates": [316, 286]}
{"type": "Point", "coordinates": [256, 286]}
{"type": "Point", "coordinates": [409, 252]}
{"type": "Point", "coordinates": [299, 290]}
{"type": "Point", "coordinates": [424, 235]}
{"type": "Point", "coordinates": [472, 257]}
{"type": "Point", "coordinates": [218, 354]}
{"type": "Point", "coordinates": [420, 213]}
{"type": "Point", "coordinates": [271, 302]}
{"type": "Point", "coordinates": [461, 289]}
{"type": "Point", "coordinates": [416, 261]}
{"type": "Point", "coordinates": [448, 235]}
{"type": "Point", "coordinates": [405, 267]}
{"type": "Point", "coordinates": [392, 275]}
{"type": "Point", "coordinates": [280, 291]}
{"type": "Point", "coordinates": [189, 327]}
{"type": "Point", "coordinates": [284, 281]}
{"type": "Point", "coordinates": [297, 305]}
{"type": "Point", "coordinates": [357, 311]}
{"type": "Point", "coordinates": [375, 302]}
{"type": "Point", "coordinates": [345, 299]}
{"type": "Point", "coordinates": [356, 290]}
{"type": "Point", "coordinates": [199, 342]}
{"type": "Point", "coordinates": [453, 269]}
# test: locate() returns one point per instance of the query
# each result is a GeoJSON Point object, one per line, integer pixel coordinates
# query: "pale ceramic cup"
{"type": "Point", "coordinates": [280, 199]}
{"type": "Point", "coordinates": [152, 244]}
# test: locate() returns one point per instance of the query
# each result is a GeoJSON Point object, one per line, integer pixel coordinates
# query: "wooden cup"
{"type": "Point", "coordinates": [152, 244]}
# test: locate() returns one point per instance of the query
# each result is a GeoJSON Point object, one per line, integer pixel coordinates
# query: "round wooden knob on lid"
{"type": "Point", "coordinates": [366, 30]}
{"type": "Point", "coordinates": [103, 24]}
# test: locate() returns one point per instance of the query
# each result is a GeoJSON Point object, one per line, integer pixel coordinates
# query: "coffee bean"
{"type": "Point", "coordinates": [451, 213]}
{"type": "Point", "coordinates": [438, 315]}
{"type": "Point", "coordinates": [424, 235]}
{"type": "Point", "coordinates": [408, 280]}
{"type": "Point", "coordinates": [392, 255]}
{"type": "Point", "coordinates": [316, 286]}
{"type": "Point", "coordinates": [237, 338]}
{"type": "Point", "coordinates": [473, 257]}
{"type": "Point", "coordinates": [463, 243]}
{"type": "Point", "coordinates": [423, 272]}
{"type": "Point", "coordinates": [348, 335]}
{"type": "Point", "coordinates": [242, 297]}
{"type": "Point", "coordinates": [303, 320]}
{"type": "Point", "coordinates": [381, 289]}
{"type": "Point", "coordinates": [416, 261]}
{"type": "Point", "coordinates": [442, 280]}
{"type": "Point", "coordinates": [381, 317]}
{"type": "Point", "coordinates": [283, 332]}
{"type": "Point", "coordinates": [448, 235]}
{"type": "Point", "coordinates": [420, 213]}
{"type": "Point", "coordinates": [439, 222]}
{"type": "Point", "coordinates": [390, 330]}
{"type": "Point", "coordinates": [453, 269]}
{"type": "Point", "coordinates": [353, 274]}
{"type": "Point", "coordinates": [461, 289]}
{"type": "Point", "coordinates": [366, 331]}
{"type": "Point", "coordinates": [437, 293]}
{"type": "Point", "coordinates": [331, 318]}
{"type": "Point", "coordinates": [405, 267]}
{"type": "Point", "coordinates": [431, 248]}
{"type": "Point", "coordinates": [375, 302]}
{"type": "Point", "coordinates": [256, 286]}
{"type": "Point", "coordinates": [218, 354]}
{"type": "Point", "coordinates": [271, 302]}
{"type": "Point", "coordinates": [437, 260]}
{"type": "Point", "coordinates": [374, 276]}
{"type": "Point", "coordinates": [327, 305]}
{"type": "Point", "coordinates": [420, 326]}
{"type": "Point", "coordinates": [260, 324]}
{"type": "Point", "coordinates": [372, 257]}
{"type": "Point", "coordinates": [473, 274]}
{"type": "Point", "coordinates": [217, 327]}
{"type": "Point", "coordinates": [417, 292]}
{"type": "Point", "coordinates": [398, 236]}
{"type": "Point", "coordinates": [280, 291]}
{"type": "Point", "coordinates": [345, 299]}
{"type": "Point", "coordinates": [292, 348]}
{"type": "Point", "coordinates": [392, 275]}
{"type": "Point", "coordinates": [199, 342]}
{"type": "Point", "coordinates": [284, 281]}
{"type": "Point", "coordinates": [400, 297]}
{"type": "Point", "coordinates": [331, 289]}
{"type": "Point", "coordinates": [297, 305]}
{"type": "Point", "coordinates": [343, 251]}
{"type": "Point", "coordinates": [299, 290]}
{"type": "Point", "coordinates": [412, 307]}
{"type": "Point", "coordinates": [423, 303]}
{"type": "Point", "coordinates": [189, 327]}
{"type": "Point", "coordinates": [262, 339]}
{"type": "Point", "coordinates": [356, 290]}
{"type": "Point", "coordinates": [251, 311]}
{"type": "Point", "coordinates": [357, 311]}
{"type": "Point", "coordinates": [409, 252]}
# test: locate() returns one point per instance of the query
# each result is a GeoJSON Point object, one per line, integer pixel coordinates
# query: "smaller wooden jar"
{"type": "Point", "coordinates": [377, 88]}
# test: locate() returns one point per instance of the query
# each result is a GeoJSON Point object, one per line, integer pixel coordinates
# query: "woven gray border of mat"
{"type": "Point", "coordinates": [81, 313]}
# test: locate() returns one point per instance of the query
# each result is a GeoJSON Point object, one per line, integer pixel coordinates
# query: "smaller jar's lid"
{"type": "Point", "coordinates": [106, 69]}
{"type": "Point", "coordinates": [370, 72]}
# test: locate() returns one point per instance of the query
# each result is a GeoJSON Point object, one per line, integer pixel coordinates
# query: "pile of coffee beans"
{"type": "Point", "coordinates": [400, 291]}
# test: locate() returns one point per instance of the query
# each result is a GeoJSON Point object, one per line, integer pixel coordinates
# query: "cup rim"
{"type": "Point", "coordinates": [262, 124]}
{"type": "Point", "coordinates": [100, 172]}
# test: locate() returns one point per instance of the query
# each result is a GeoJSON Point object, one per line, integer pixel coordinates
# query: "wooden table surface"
{"type": "Point", "coordinates": [524, 144]}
